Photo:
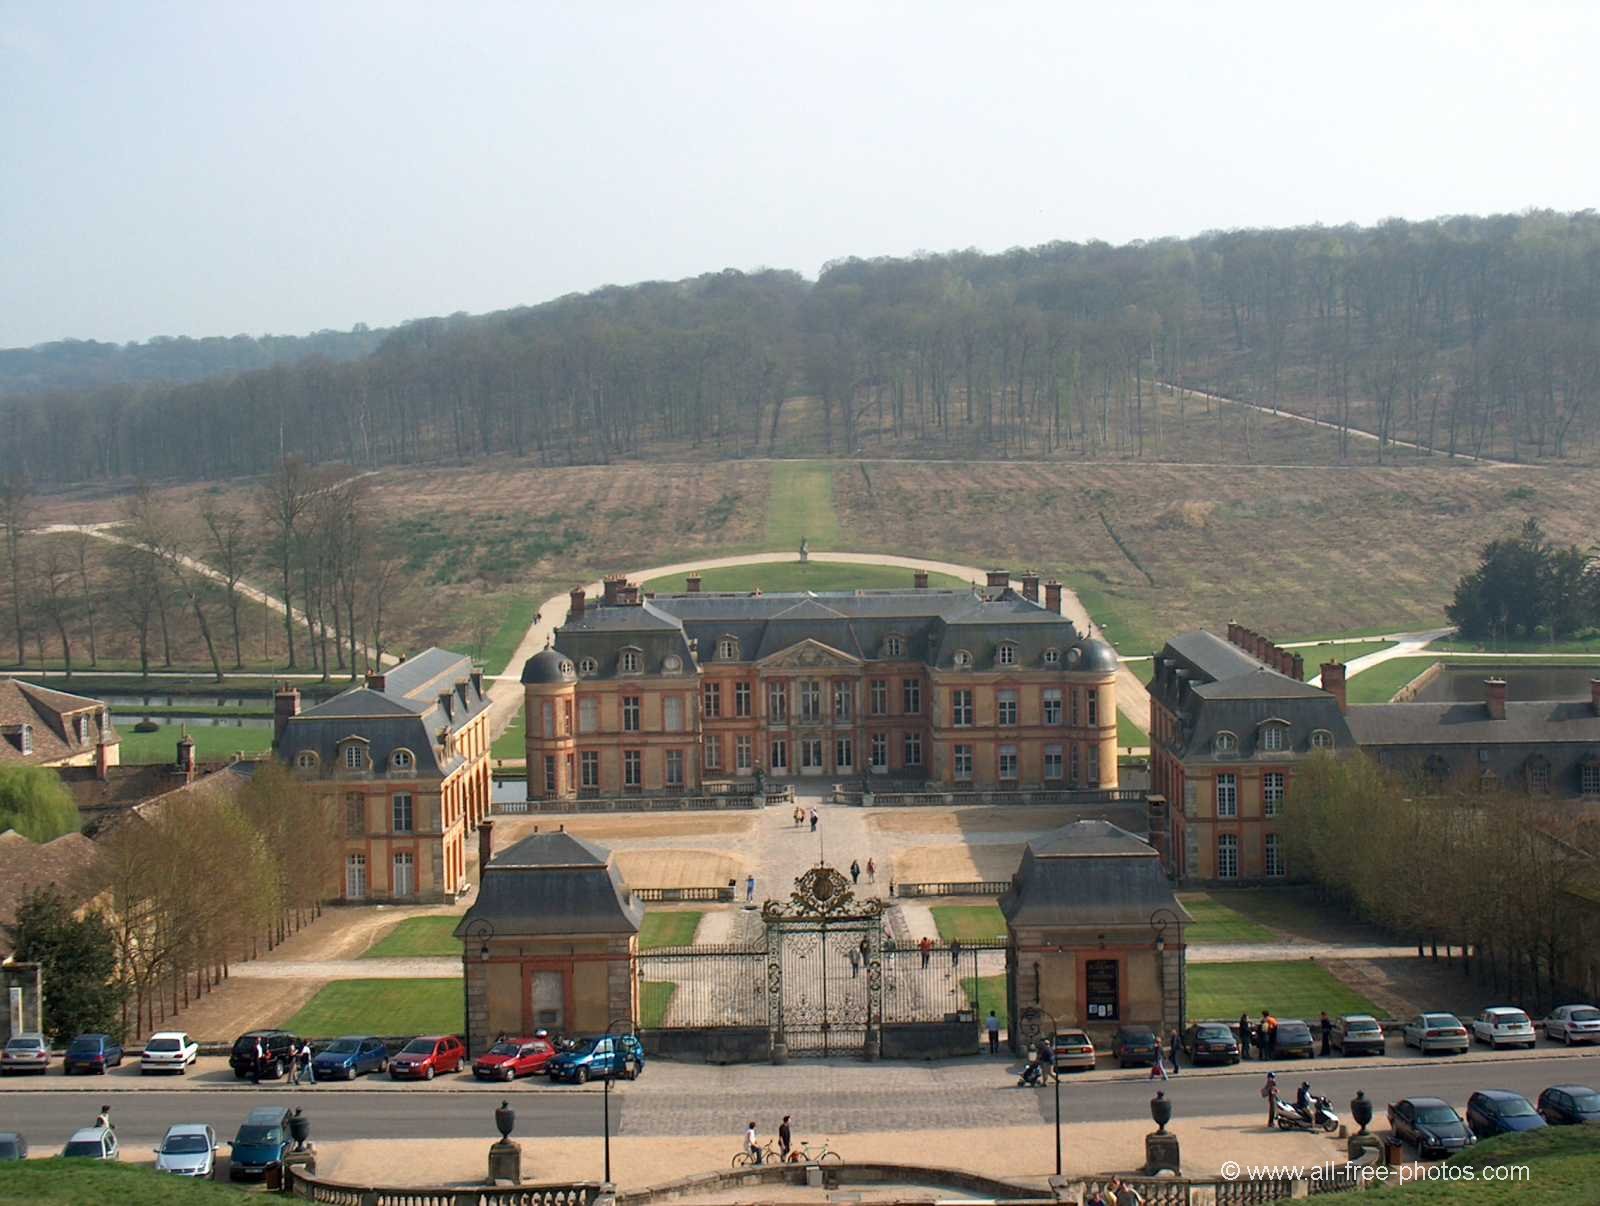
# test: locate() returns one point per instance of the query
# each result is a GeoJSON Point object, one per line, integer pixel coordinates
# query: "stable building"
{"type": "Point", "coordinates": [981, 688]}
{"type": "Point", "coordinates": [40, 726]}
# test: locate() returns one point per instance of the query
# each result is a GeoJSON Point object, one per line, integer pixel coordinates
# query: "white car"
{"type": "Point", "coordinates": [1574, 1024]}
{"type": "Point", "coordinates": [1502, 1026]}
{"type": "Point", "coordinates": [189, 1150]}
{"type": "Point", "coordinates": [169, 1051]}
{"type": "Point", "coordinates": [1436, 1032]}
{"type": "Point", "coordinates": [93, 1143]}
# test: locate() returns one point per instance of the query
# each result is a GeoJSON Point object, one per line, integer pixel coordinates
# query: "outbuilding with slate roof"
{"type": "Point", "coordinates": [40, 726]}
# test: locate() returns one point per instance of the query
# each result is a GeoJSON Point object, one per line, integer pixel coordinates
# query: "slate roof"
{"type": "Point", "coordinates": [553, 884]}
{"type": "Point", "coordinates": [406, 713]}
{"type": "Point", "coordinates": [48, 715]}
{"type": "Point", "coordinates": [1541, 722]}
{"type": "Point", "coordinates": [30, 865]}
{"type": "Point", "coordinates": [1088, 873]}
{"type": "Point", "coordinates": [931, 624]}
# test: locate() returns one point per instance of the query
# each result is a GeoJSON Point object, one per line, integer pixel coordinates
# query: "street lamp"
{"type": "Point", "coordinates": [1034, 1011]}
{"type": "Point", "coordinates": [1159, 921]}
{"type": "Point", "coordinates": [482, 929]}
{"type": "Point", "coordinates": [611, 1074]}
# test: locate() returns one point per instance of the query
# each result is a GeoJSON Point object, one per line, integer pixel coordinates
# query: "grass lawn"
{"type": "Point", "coordinates": [793, 576]}
{"type": "Point", "coordinates": [1216, 922]}
{"type": "Point", "coordinates": [1563, 1164]}
{"type": "Point", "coordinates": [1589, 644]}
{"type": "Point", "coordinates": [655, 997]}
{"type": "Point", "coordinates": [668, 929]}
{"type": "Point", "coordinates": [57, 1182]}
{"type": "Point", "coordinates": [986, 993]}
{"type": "Point", "coordinates": [1293, 910]}
{"type": "Point", "coordinates": [800, 505]}
{"type": "Point", "coordinates": [514, 623]}
{"type": "Point", "coordinates": [416, 938]}
{"type": "Point", "coordinates": [1315, 655]}
{"type": "Point", "coordinates": [1129, 733]}
{"type": "Point", "coordinates": [122, 713]}
{"type": "Point", "coordinates": [212, 742]}
{"type": "Point", "coordinates": [513, 743]}
{"type": "Point", "coordinates": [1290, 989]}
{"type": "Point", "coordinates": [1131, 627]}
{"type": "Point", "coordinates": [386, 1007]}
{"type": "Point", "coordinates": [968, 923]}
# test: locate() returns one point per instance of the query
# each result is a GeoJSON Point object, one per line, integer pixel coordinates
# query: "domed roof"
{"type": "Point", "coordinates": [1094, 656]}
{"type": "Point", "coordinates": [549, 665]}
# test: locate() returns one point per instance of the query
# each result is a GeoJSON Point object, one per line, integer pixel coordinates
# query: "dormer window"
{"type": "Point", "coordinates": [354, 757]}
{"type": "Point", "coordinates": [1005, 654]}
{"type": "Point", "coordinates": [587, 667]}
{"type": "Point", "coordinates": [402, 760]}
{"type": "Point", "coordinates": [1052, 657]}
{"type": "Point", "coordinates": [1274, 736]}
{"type": "Point", "coordinates": [1321, 739]}
{"type": "Point", "coordinates": [893, 647]}
{"type": "Point", "coordinates": [962, 659]}
{"type": "Point", "coordinates": [727, 649]}
{"type": "Point", "coordinates": [672, 663]}
{"type": "Point", "coordinates": [306, 760]}
{"type": "Point", "coordinates": [567, 668]}
{"type": "Point", "coordinates": [81, 724]}
{"type": "Point", "coordinates": [1225, 743]}
{"type": "Point", "coordinates": [630, 661]}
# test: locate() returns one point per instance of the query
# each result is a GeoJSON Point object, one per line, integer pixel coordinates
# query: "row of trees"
{"type": "Point", "coordinates": [1525, 586]}
{"type": "Point", "coordinates": [1497, 871]}
{"type": "Point", "coordinates": [1464, 335]}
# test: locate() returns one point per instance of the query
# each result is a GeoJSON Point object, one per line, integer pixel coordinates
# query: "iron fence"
{"type": "Point", "coordinates": [702, 987]}
{"type": "Point", "coordinates": [944, 985]}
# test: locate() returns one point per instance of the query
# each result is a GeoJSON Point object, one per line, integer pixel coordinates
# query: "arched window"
{"type": "Point", "coordinates": [630, 661]}
{"type": "Point", "coordinates": [1274, 736]}
{"type": "Point", "coordinates": [893, 647]}
{"type": "Point", "coordinates": [588, 666]}
{"type": "Point", "coordinates": [1052, 657]}
{"type": "Point", "coordinates": [306, 760]}
{"type": "Point", "coordinates": [727, 649]}
{"type": "Point", "coordinates": [1005, 654]}
{"type": "Point", "coordinates": [1321, 739]}
{"type": "Point", "coordinates": [1226, 743]}
{"type": "Point", "coordinates": [672, 663]}
{"type": "Point", "coordinates": [354, 756]}
{"type": "Point", "coordinates": [566, 668]}
{"type": "Point", "coordinates": [962, 659]}
{"type": "Point", "coordinates": [402, 760]}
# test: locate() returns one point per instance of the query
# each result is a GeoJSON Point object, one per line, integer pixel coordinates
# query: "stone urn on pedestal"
{"type": "Point", "coordinates": [505, 1156]}
{"type": "Point", "coordinates": [1161, 1145]}
{"type": "Point", "coordinates": [1363, 1140]}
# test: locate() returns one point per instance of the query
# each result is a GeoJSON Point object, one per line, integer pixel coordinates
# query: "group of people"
{"type": "Point", "coordinates": [757, 1154]}
{"type": "Point", "coordinates": [1264, 1035]}
{"type": "Point", "coordinates": [1305, 1101]}
{"type": "Point", "coordinates": [299, 1063]}
{"type": "Point", "coordinates": [799, 816]}
{"type": "Point", "coordinates": [1116, 1193]}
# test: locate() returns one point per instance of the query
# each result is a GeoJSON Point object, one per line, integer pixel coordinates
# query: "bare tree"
{"type": "Point", "coordinates": [54, 597]}
{"type": "Point", "coordinates": [283, 500]}
{"type": "Point", "coordinates": [16, 498]}
{"type": "Point", "coordinates": [229, 555]}
{"type": "Point", "coordinates": [80, 542]}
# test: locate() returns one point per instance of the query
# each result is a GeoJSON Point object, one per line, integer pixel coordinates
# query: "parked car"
{"type": "Point", "coordinates": [1357, 1034]}
{"type": "Point", "coordinates": [1503, 1026]}
{"type": "Point", "coordinates": [13, 1146]}
{"type": "Point", "coordinates": [93, 1143]}
{"type": "Point", "coordinates": [608, 1055]}
{"type": "Point", "coordinates": [1436, 1032]}
{"type": "Point", "coordinates": [1133, 1045]}
{"type": "Point", "coordinates": [511, 1058]}
{"type": "Point", "coordinates": [1500, 1112]}
{"type": "Point", "coordinates": [27, 1052]}
{"type": "Point", "coordinates": [91, 1053]}
{"type": "Point", "coordinates": [189, 1150]}
{"type": "Point", "coordinates": [429, 1056]}
{"type": "Point", "coordinates": [1431, 1125]}
{"type": "Point", "coordinates": [1574, 1024]}
{"type": "Point", "coordinates": [276, 1047]}
{"type": "Point", "coordinates": [1293, 1038]}
{"type": "Point", "coordinates": [262, 1142]}
{"type": "Point", "coordinates": [347, 1058]}
{"type": "Point", "coordinates": [1211, 1043]}
{"type": "Point", "coordinates": [1568, 1105]}
{"type": "Point", "coordinates": [1074, 1049]}
{"type": "Point", "coordinates": [170, 1051]}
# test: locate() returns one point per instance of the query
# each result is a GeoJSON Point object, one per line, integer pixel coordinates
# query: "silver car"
{"type": "Point", "coordinates": [1436, 1032]}
{"type": "Point", "coordinates": [93, 1143]}
{"type": "Point", "coordinates": [1573, 1024]}
{"type": "Point", "coordinates": [27, 1052]}
{"type": "Point", "coordinates": [189, 1150]}
{"type": "Point", "coordinates": [1503, 1026]}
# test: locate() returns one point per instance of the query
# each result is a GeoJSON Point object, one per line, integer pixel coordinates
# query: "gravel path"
{"type": "Point", "coordinates": [348, 969]}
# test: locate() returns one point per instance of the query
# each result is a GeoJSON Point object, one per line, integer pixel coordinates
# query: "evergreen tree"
{"type": "Point", "coordinates": [77, 955]}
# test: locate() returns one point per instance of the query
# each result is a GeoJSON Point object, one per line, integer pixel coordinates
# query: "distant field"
{"type": "Point", "coordinates": [515, 619]}
{"type": "Point", "coordinates": [793, 576]}
{"type": "Point", "coordinates": [212, 743]}
{"type": "Point", "coordinates": [800, 505]}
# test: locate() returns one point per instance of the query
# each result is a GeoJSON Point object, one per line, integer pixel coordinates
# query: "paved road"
{"type": "Point", "coordinates": [1406, 644]}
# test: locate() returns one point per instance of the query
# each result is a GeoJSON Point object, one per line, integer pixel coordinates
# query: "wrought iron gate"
{"type": "Point", "coordinates": [825, 967]}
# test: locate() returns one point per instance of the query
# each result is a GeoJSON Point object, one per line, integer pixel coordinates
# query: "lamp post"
{"type": "Point", "coordinates": [611, 1074]}
{"type": "Point", "coordinates": [1159, 921]}
{"type": "Point", "coordinates": [481, 929]}
{"type": "Point", "coordinates": [1035, 1011]}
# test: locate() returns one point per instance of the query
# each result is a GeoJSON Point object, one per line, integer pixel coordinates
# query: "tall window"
{"type": "Point", "coordinates": [911, 696]}
{"type": "Point", "coordinates": [1052, 763]}
{"type": "Point", "coordinates": [405, 877]}
{"type": "Point", "coordinates": [1008, 762]}
{"type": "Point", "coordinates": [777, 702]}
{"type": "Point", "coordinates": [589, 767]}
{"type": "Point", "coordinates": [80, 725]}
{"type": "Point", "coordinates": [713, 753]}
{"type": "Point", "coordinates": [779, 756]}
{"type": "Point", "coordinates": [630, 661]}
{"type": "Point", "coordinates": [1272, 736]}
{"type": "Point", "coordinates": [630, 713]}
{"type": "Point", "coordinates": [1072, 765]}
{"type": "Point", "coordinates": [1075, 693]}
{"type": "Point", "coordinates": [547, 713]}
{"type": "Point", "coordinates": [672, 713]}
{"type": "Point", "coordinates": [913, 749]}
{"type": "Point", "coordinates": [355, 815]}
{"type": "Point", "coordinates": [674, 768]}
{"type": "Point", "coordinates": [712, 697]}
{"type": "Point", "coordinates": [741, 699]}
{"type": "Point", "coordinates": [401, 809]}
{"type": "Point", "coordinates": [632, 769]}
{"type": "Point", "coordinates": [354, 759]}
{"type": "Point", "coordinates": [963, 762]}
{"type": "Point", "coordinates": [1272, 793]}
{"type": "Point", "coordinates": [880, 696]}
{"type": "Point", "coordinates": [1094, 766]}
{"type": "Point", "coordinates": [588, 716]}
{"type": "Point", "coordinates": [1052, 705]}
{"type": "Point", "coordinates": [844, 754]}
{"type": "Point", "coordinates": [961, 708]}
{"type": "Point", "coordinates": [727, 650]}
{"type": "Point", "coordinates": [1538, 774]}
{"type": "Point", "coordinates": [1005, 705]}
{"type": "Point", "coordinates": [842, 695]}
{"type": "Point", "coordinates": [878, 751]}
{"type": "Point", "coordinates": [810, 699]}
{"type": "Point", "coordinates": [893, 647]}
{"type": "Point", "coordinates": [1092, 698]}
{"type": "Point", "coordinates": [1005, 654]}
{"type": "Point", "coordinates": [1227, 856]}
{"type": "Point", "coordinates": [1274, 855]}
{"type": "Point", "coordinates": [355, 877]}
{"type": "Point", "coordinates": [550, 780]}
{"type": "Point", "coordinates": [811, 753]}
{"type": "Point", "coordinates": [743, 754]}
{"type": "Point", "coordinates": [566, 718]}
{"type": "Point", "coordinates": [1227, 794]}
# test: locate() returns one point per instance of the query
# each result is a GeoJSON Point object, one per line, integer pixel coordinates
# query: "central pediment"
{"type": "Point", "coordinates": [809, 654]}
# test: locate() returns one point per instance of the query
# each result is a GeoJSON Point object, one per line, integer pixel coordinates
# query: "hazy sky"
{"type": "Point", "coordinates": [212, 168]}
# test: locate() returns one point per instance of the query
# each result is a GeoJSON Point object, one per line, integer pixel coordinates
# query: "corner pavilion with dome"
{"type": "Point", "coordinates": [985, 687]}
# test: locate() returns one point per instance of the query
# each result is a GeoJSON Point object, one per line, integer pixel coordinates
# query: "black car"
{"type": "Point", "coordinates": [1133, 1045]}
{"type": "Point", "coordinates": [1567, 1105]}
{"type": "Point", "coordinates": [1211, 1042]}
{"type": "Point", "coordinates": [1292, 1038]}
{"type": "Point", "coordinates": [91, 1053]}
{"type": "Point", "coordinates": [277, 1046]}
{"type": "Point", "coordinates": [1500, 1112]}
{"type": "Point", "coordinates": [1431, 1125]}
{"type": "Point", "coordinates": [13, 1146]}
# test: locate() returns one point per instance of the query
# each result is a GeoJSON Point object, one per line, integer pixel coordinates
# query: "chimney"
{"type": "Point", "coordinates": [102, 761]}
{"type": "Point", "coordinates": [1594, 695]}
{"type": "Point", "coordinates": [693, 583]}
{"type": "Point", "coordinates": [477, 682]}
{"type": "Point", "coordinates": [1030, 585]}
{"type": "Point", "coordinates": [576, 612]}
{"type": "Point", "coordinates": [1297, 666]}
{"type": "Point", "coordinates": [485, 846]}
{"type": "Point", "coordinates": [186, 755]}
{"type": "Point", "coordinates": [374, 681]}
{"type": "Point", "coordinates": [1052, 596]}
{"type": "Point", "coordinates": [1494, 695]}
{"type": "Point", "coordinates": [285, 704]}
{"type": "Point", "coordinates": [1333, 681]}
{"type": "Point", "coordinates": [1233, 632]}
{"type": "Point", "coordinates": [919, 579]}
{"type": "Point", "coordinates": [612, 585]}
{"type": "Point", "coordinates": [999, 579]}
{"type": "Point", "coordinates": [1286, 662]}
{"type": "Point", "coordinates": [447, 701]}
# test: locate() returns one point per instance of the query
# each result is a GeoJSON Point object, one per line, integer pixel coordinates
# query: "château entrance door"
{"type": "Point", "coordinates": [823, 1000]}
{"type": "Point", "coordinates": [355, 877]}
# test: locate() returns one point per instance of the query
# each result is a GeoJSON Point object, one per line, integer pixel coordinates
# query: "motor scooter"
{"type": "Point", "coordinates": [1322, 1116]}
{"type": "Point", "coordinates": [1032, 1073]}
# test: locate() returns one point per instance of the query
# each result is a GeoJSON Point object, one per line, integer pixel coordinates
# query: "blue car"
{"type": "Point", "coordinates": [1501, 1112]}
{"type": "Point", "coordinates": [595, 1058]}
{"type": "Point", "coordinates": [92, 1053]}
{"type": "Point", "coordinates": [347, 1058]}
{"type": "Point", "coordinates": [262, 1142]}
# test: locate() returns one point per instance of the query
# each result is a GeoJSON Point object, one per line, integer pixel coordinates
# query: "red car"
{"type": "Point", "coordinates": [514, 1057]}
{"type": "Point", "coordinates": [423, 1058]}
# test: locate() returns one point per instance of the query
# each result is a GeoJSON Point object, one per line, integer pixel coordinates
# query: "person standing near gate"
{"type": "Point", "coordinates": [955, 952]}
{"type": "Point", "coordinates": [749, 889]}
{"type": "Point", "coordinates": [785, 1139]}
{"type": "Point", "coordinates": [926, 947]}
{"type": "Point", "coordinates": [993, 1024]}
{"type": "Point", "coordinates": [855, 963]}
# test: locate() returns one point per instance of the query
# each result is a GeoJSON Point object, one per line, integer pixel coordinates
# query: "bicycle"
{"type": "Point", "coordinates": [803, 1155]}
{"type": "Point", "coordinates": [765, 1154]}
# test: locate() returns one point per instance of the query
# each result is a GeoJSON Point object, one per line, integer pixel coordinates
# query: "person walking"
{"type": "Point", "coordinates": [1176, 1047]}
{"type": "Point", "coordinates": [1244, 1036]}
{"type": "Point", "coordinates": [855, 872]}
{"type": "Point", "coordinates": [813, 818]}
{"type": "Point", "coordinates": [749, 889]}
{"type": "Point", "coordinates": [306, 1063]}
{"type": "Point", "coordinates": [785, 1139]}
{"type": "Point", "coordinates": [1327, 1033]}
{"type": "Point", "coordinates": [872, 872]}
{"type": "Point", "coordinates": [855, 963]}
{"type": "Point", "coordinates": [1270, 1092]}
{"type": "Point", "coordinates": [751, 1147]}
{"type": "Point", "coordinates": [993, 1026]}
{"type": "Point", "coordinates": [926, 947]}
{"type": "Point", "coordinates": [1159, 1067]}
{"type": "Point", "coordinates": [1270, 1025]}
{"type": "Point", "coordinates": [255, 1066]}
{"type": "Point", "coordinates": [955, 952]}
{"type": "Point", "coordinates": [799, 816]}
{"type": "Point", "coordinates": [294, 1064]}
{"type": "Point", "coordinates": [104, 1118]}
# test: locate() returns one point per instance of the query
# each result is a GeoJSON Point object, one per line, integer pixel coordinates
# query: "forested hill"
{"type": "Point", "coordinates": [1462, 335]}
